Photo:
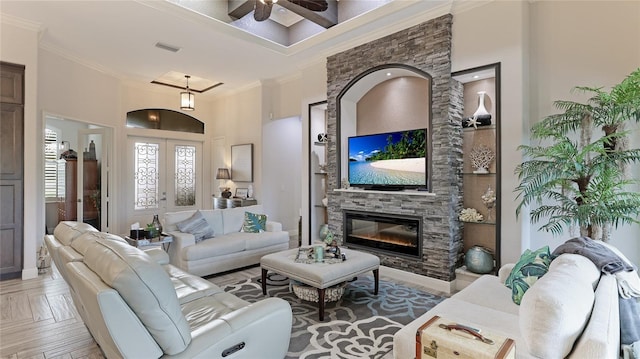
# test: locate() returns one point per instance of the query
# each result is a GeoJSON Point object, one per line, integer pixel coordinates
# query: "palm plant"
{"type": "Point", "coordinates": [576, 179]}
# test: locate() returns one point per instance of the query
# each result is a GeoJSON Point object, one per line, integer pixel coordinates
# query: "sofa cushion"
{"type": "Point", "coordinates": [555, 310]}
{"type": "Point", "coordinates": [582, 267]}
{"type": "Point", "coordinates": [530, 267]}
{"type": "Point", "coordinates": [196, 225]}
{"type": "Point", "coordinates": [254, 223]}
{"type": "Point", "coordinates": [146, 288]}
{"type": "Point", "coordinates": [488, 291]}
{"type": "Point", "coordinates": [67, 231]}
{"type": "Point", "coordinates": [214, 247]}
{"type": "Point", "coordinates": [264, 239]}
{"type": "Point", "coordinates": [189, 287]}
{"type": "Point", "coordinates": [233, 218]}
{"type": "Point", "coordinates": [213, 216]}
{"type": "Point", "coordinates": [404, 341]}
{"type": "Point", "coordinates": [84, 241]}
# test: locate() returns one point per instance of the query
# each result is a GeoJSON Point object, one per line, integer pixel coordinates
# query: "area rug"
{"type": "Point", "coordinates": [360, 325]}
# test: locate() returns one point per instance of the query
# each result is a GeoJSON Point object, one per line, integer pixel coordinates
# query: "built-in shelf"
{"type": "Point", "coordinates": [479, 94]}
{"type": "Point", "coordinates": [480, 128]}
{"type": "Point", "coordinates": [318, 177]}
{"type": "Point", "coordinates": [493, 223]}
{"type": "Point", "coordinates": [391, 193]}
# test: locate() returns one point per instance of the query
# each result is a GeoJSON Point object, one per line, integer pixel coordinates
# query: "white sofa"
{"type": "Point", "coordinates": [570, 312]}
{"type": "Point", "coordinates": [229, 248]}
{"type": "Point", "coordinates": [137, 305]}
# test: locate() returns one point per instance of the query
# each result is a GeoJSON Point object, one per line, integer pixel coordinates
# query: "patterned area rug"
{"type": "Point", "coordinates": [360, 325]}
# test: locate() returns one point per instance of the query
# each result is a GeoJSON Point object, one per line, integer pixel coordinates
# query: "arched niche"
{"type": "Point", "coordinates": [163, 119]}
{"type": "Point", "coordinates": [392, 97]}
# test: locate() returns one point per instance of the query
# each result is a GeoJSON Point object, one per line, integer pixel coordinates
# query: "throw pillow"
{"type": "Point", "coordinates": [530, 267]}
{"type": "Point", "coordinates": [254, 223]}
{"type": "Point", "coordinates": [196, 225]}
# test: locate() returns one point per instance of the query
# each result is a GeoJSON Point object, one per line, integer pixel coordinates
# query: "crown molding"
{"type": "Point", "coordinates": [91, 65]}
{"type": "Point", "coordinates": [21, 23]}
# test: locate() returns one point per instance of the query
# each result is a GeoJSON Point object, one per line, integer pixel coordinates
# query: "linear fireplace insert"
{"type": "Point", "coordinates": [390, 233]}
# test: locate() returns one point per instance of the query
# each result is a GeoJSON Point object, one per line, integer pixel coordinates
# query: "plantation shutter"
{"type": "Point", "coordinates": [53, 168]}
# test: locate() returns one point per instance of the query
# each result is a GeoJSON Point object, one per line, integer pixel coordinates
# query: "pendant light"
{"type": "Point", "coordinates": [187, 100]}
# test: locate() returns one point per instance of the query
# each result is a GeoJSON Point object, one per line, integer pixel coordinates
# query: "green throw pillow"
{"type": "Point", "coordinates": [530, 267]}
{"type": "Point", "coordinates": [254, 223]}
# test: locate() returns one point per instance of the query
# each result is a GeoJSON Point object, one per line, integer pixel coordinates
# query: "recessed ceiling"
{"type": "Point", "coordinates": [118, 38]}
{"type": "Point", "coordinates": [178, 80]}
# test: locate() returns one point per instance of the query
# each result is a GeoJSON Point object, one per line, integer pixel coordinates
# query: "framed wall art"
{"type": "Point", "coordinates": [242, 163]}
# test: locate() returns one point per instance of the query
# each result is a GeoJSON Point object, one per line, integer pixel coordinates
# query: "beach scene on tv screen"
{"type": "Point", "coordinates": [397, 158]}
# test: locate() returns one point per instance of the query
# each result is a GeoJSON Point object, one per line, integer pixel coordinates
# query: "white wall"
{"type": "Point", "coordinates": [282, 165]}
{"type": "Point", "coordinates": [590, 43]}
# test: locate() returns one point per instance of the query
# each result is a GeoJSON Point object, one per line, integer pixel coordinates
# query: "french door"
{"type": "Point", "coordinates": [164, 176]}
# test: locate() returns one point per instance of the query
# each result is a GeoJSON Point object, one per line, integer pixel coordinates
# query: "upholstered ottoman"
{"type": "Point", "coordinates": [320, 275]}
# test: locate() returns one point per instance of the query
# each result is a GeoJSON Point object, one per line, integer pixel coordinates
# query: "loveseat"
{"type": "Point", "coordinates": [137, 305]}
{"type": "Point", "coordinates": [570, 312]}
{"type": "Point", "coordinates": [229, 248]}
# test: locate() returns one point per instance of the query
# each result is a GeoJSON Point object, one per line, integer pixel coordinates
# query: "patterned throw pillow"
{"type": "Point", "coordinates": [530, 267]}
{"type": "Point", "coordinates": [254, 223]}
{"type": "Point", "coordinates": [196, 225]}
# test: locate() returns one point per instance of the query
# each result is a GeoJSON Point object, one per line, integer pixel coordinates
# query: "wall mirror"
{"type": "Point", "coordinates": [242, 163]}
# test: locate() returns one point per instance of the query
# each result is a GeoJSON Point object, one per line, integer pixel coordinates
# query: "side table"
{"type": "Point", "coordinates": [146, 242]}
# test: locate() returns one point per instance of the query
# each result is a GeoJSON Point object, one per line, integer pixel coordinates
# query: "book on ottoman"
{"type": "Point", "coordinates": [444, 339]}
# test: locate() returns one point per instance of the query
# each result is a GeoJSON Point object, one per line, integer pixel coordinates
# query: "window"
{"type": "Point", "coordinates": [53, 168]}
{"type": "Point", "coordinates": [185, 184]}
{"type": "Point", "coordinates": [146, 175]}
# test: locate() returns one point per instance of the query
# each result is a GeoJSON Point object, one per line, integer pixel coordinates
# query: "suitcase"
{"type": "Point", "coordinates": [444, 339]}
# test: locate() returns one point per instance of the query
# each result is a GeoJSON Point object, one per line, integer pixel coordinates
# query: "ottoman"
{"type": "Point", "coordinates": [320, 275]}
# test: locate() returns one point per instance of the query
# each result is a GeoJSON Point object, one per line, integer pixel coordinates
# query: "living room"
{"type": "Point", "coordinates": [544, 48]}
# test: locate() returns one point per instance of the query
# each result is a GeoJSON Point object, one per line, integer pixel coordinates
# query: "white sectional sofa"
{"type": "Point", "coordinates": [137, 305]}
{"type": "Point", "coordinates": [229, 248]}
{"type": "Point", "coordinates": [570, 312]}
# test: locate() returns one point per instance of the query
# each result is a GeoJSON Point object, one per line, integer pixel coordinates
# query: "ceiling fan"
{"type": "Point", "coordinates": [263, 7]}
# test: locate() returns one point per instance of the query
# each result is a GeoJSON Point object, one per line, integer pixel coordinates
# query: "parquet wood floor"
{"type": "Point", "coordinates": [38, 320]}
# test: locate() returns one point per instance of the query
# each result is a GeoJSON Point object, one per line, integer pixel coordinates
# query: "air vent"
{"type": "Point", "coordinates": [167, 47]}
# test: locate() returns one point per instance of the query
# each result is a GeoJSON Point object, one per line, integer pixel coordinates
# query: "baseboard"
{"type": "Point", "coordinates": [29, 273]}
{"type": "Point", "coordinates": [420, 280]}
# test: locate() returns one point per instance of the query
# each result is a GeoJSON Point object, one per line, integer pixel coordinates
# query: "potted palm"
{"type": "Point", "coordinates": [577, 173]}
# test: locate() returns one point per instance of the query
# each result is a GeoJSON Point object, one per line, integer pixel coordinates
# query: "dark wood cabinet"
{"type": "Point", "coordinates": [11, 170]}
{"type": "Point", "coordinates": [68, 208]}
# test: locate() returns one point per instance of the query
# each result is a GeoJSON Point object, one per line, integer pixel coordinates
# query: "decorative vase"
{"type": "Point", "coordinates": [479, 260]}
{"type": "Point", "coordinates": [324, 231]}
{"type": "Point", "coordinates": [157, 226]}
{"type": "Point", "coordinates": [481, 117]}
{"type": "Point", "coordinates": [481, 111]}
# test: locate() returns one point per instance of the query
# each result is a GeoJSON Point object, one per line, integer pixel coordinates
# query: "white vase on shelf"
{"type": "Point", "coordinates": [481, 109]}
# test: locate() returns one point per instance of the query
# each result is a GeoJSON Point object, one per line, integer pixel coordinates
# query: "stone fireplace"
{"type": "Point", "coordinates": [427, 49]}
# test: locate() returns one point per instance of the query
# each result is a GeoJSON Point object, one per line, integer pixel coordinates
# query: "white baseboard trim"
{"type": "Point", "coordinates": [29, 273]}
{"type": "Point", "coordinates": [436, 284]}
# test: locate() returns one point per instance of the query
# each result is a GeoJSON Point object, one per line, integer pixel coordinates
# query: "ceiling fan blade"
{"type": "Point", "coordinates": [262, 10]}
{"type": "Point", "coordinates": [313, 5]}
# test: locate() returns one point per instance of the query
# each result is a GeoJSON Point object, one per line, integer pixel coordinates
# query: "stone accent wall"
{"type": "Point", "coordinates": [426, 47]}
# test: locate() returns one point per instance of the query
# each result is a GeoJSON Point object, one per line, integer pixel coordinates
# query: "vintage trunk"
{"type": "Point", "coordinates": [444, 339]}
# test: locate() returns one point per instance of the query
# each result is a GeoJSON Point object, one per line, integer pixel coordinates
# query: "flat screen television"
{"type": "Point", "coordinates": [389, 161]}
